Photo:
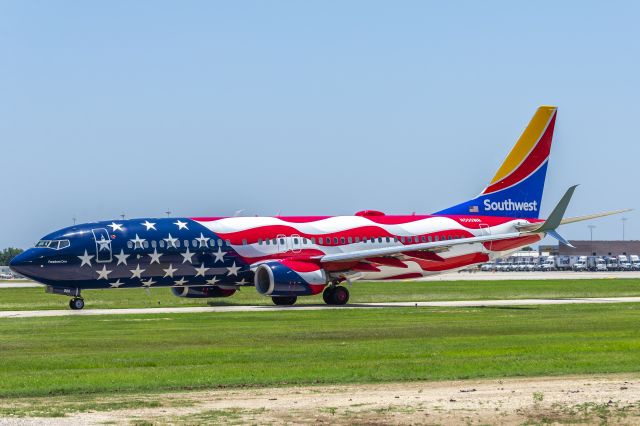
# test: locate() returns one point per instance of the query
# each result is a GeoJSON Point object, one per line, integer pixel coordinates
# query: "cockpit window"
{"type": "Point", "coordinates": [53, 244]}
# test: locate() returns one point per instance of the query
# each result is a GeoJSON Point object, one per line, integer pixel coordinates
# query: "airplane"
{"type": "Point", "coordinates": [288, 257]}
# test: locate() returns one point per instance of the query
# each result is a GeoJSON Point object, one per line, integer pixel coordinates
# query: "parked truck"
{"type": "Point", "coordinates": [599, 265]}
{"type": "Point", "coordinates": [612, 263]}
{"type": "Point", "coordinates": [635, 262]}
{"type": "Point", "coordinates": [623, 263]}
{"type": "Point", "coordinates": [582, 264]}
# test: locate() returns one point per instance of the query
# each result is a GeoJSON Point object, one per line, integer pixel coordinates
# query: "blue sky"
{"type": "Point", "coordinates": [308, 107]}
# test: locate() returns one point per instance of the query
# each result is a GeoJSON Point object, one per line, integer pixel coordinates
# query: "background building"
{"type": "Point", "coordinates": [593, 248]}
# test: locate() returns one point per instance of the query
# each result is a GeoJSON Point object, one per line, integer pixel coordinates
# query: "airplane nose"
{"type": "Point", "coordinates": [22, 263]}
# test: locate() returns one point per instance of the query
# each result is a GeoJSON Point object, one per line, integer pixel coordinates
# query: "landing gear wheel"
{"type": "Point", "coordinates": [327, 295]}
{"type": "Point", "coordinates": [76, 303]}
{"type": "Point", "coordinates": [284, 300]}
{"type": "Point", "coordinates": [340, 296]}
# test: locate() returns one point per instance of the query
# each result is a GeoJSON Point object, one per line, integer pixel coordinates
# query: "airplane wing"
{"type": "Point", "coordinates": [592, 216]}
{"type": "Point", "coordinates": [433, 247]}
{"type": "Point", "coordinates": [548, 227]}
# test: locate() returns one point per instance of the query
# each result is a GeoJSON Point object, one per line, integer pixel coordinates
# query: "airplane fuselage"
{"type": "Point", "coordinates": [223, 252]}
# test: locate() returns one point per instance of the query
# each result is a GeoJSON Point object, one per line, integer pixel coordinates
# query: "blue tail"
{"type": "Point", "coordinates": [517, 187]}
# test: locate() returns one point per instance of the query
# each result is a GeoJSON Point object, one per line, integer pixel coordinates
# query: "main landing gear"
{"type": "Point", "coordinates": [284, 300]}
{"type": "Point", "coordinates": [335, 295]}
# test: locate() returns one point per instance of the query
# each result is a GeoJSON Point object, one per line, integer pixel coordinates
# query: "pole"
{"type": "Point", "coordinates": [591, 231]}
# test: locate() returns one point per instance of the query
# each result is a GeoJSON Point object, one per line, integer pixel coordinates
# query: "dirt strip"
{"type": "Point", "coordinates": [612, 399]}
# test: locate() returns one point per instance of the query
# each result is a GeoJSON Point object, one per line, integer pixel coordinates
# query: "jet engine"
{"type": "Point", "coordinates": [289, 278]}
{"type": "Point", "coordinates": [202, 292]}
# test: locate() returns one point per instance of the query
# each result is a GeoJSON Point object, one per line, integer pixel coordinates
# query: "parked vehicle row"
{"type": "Point", "coordinates": [564, 263]}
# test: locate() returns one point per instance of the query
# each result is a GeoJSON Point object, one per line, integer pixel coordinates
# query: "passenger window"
{"type": "Point", "coordinates": [228, 242]}
{"type": "Point", "coordinates": [281, 241]}
{"type": "Point", "coordinates": [194, 243]}
{"type": "Point", "coordinates": [335, 240]}
{"type": "Point", "coordinates": [379, 239]}
{"type": "Point", "coordinates": [395, 239]}
{"type": "Point", "coordinates": [424, 239]}
{"type": "Point", "coordinates": [154, 244]}
{"type": "Point", "coordinates": [129, 244]}
{"type": "Point", "coordinates": [145, 244]}
{"type": "Point", "coordinates": [267, 242]}
{"type": "Point", "coordinates": [350, 240]}
{"type": "Point", "coordinates": [429, 238]}
{"type": "Point", "coordinates": [436, 238]}
{"type": "Point", "coordinates": [320, 240]}
{"type": "Point", "coordinates": [244, 242]}
{"type": "Point", "coordinates": [274, 241]}
{"type": "Point", "coordinates": [177, 243]}
{"type": "Point", "coordinates": [342, 240]}
{"type": "Point", "coordinates": [388, 239]}
{"type": "Point", "coordinates": [219, 243]}
{"type": "Point", "coordinates": [259, 241]}
{"type": "Point", "coordinates": [161, 242]}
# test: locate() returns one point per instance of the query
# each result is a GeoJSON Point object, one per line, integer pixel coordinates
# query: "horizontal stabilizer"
{"type": "Point", "coordinates": [554, 234]}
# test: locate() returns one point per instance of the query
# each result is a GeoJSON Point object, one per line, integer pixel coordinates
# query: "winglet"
{"type": "Point", "coordinates": [555, 218]}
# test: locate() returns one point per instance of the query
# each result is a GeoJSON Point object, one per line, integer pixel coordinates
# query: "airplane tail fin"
{"type": "Point", "coordinates": [516, 189]}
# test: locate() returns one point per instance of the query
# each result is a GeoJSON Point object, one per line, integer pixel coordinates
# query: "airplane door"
{"type": "Point", "coordinates": [282, 243]}
{"type": "Point", "coordinates": [296, 243]}
{"type": "Point", "coordinates": [485, 232]}
{"type": "Point", "coordinates": [103, 245]}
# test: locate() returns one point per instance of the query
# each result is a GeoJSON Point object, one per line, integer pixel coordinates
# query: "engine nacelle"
{"type": "Point", "coordinates": [202, 292]}
{"type": "Point", "coordinates": [289, 278]}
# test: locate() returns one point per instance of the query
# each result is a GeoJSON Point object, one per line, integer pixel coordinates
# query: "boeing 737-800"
{"type": "Point", "coordinates": [287, 257]}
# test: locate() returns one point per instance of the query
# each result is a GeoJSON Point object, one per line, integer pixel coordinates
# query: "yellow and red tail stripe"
{"type": "Point", "coordinates": [529, 153]}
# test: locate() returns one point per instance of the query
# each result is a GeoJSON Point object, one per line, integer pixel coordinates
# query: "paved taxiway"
{"type": "Point", "coordinates": [463, 276]}
{"type": "Point", "coordinates": [269, 308]}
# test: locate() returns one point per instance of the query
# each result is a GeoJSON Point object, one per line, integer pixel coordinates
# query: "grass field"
{"type": "Point", "coordinates": [78, 355]}
{"type": "Point", "coordinates": [361, 292]}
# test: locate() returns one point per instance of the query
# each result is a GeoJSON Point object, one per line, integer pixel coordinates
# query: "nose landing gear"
{"type": "Point", "coordinates": [76, 303]}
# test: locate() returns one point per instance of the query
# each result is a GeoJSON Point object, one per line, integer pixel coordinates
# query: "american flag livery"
{"type": "Point", "coordinates": [287, 257]}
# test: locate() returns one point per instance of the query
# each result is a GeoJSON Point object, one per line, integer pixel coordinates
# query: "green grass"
{"type": "Point", "coordinates": [361, 292]}
{"type": "Point", "coordinates": [106, 354]}
{"type": "Point", "coordinates": [36, 408]}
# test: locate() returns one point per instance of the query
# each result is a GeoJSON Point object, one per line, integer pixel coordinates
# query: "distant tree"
{"type": "Point", "coordinates": [527, 248]}
{"type": "Point", "coordinates": [7, 254]}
